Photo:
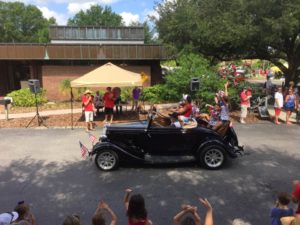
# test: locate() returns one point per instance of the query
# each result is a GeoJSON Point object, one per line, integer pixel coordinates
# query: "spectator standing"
{"type": "Point", "coordinates": [136, 210]}
{"type": "Point", "coordinates": [98, 218]}
{"type": "Point", "coordinates": [117, 96]}
{"type": "Point", "coordinates": [109, 103]}
{"type": "Point", "coordinates": [136, 93]}
{"type": "Point", "coordinates": [290, 104]}
{"type": "Point", "coordinates": [278, 104]}
{"type": "Point", "coordinates": [244, 104]}
{"type": "Point", "coordinates": [98, 103]}
{"type": "Point", "coordinates": [268, 86]}
{"type": "Point", "coordinates": [8, 217]}
{"type": "Point", "coordinates": [88, 108]}
{"type": "Point", "coordinates": [281, 208]}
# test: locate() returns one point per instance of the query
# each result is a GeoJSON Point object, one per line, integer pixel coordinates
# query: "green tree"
{"type": "Point", "coordinates": [235, 29]}
{"type": "Point", "coordinates": [148, 32]}
{"type": "Point", "coordinates": [96, 15]}
{"type": "Point", "coordinates": [23, 23]}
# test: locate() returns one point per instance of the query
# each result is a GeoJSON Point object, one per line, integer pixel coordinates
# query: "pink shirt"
{"type": "Point", "coordinates": [244, 100]}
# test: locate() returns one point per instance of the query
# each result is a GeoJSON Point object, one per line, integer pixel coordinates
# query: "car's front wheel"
{"type": "Point", "coordinates": [212, 157]}
{"type": "Point", "coordinates": [107, 160]}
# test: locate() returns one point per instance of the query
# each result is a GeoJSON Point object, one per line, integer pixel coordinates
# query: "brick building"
{"type": "Point", "coordinates": [74, 51]}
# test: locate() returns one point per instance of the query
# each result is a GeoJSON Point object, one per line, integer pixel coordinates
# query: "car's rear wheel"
{"type": "Point", "coordinates": [107, 160]}
{"type": "Point", "coordinates": [212, 157]}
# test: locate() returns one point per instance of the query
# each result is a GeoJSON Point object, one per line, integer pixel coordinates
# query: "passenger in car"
{"type": "Point", "coordinates": [214, 115]}
{"type": "Point", "coordinates": [222, 101]}
{"type": "Point", "coordinates": [174, 120]}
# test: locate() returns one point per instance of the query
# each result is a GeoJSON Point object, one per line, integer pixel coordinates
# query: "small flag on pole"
{"type": "Point", "coordinates": [84, 150]}
{"type": "Point", "coordinates": [92, 138]}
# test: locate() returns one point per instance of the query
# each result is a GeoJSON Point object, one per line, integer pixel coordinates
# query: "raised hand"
{"type": "Point", "coordinates": [205, 203]}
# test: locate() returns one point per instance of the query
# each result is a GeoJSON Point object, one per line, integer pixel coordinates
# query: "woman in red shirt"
{"type": "Point", "coordinates": [136, 211]}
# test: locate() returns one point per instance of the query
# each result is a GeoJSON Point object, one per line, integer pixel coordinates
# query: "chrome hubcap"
{"type": "Point", "coordinates": [214, 158]}
{"type": "Point", "coordinates": [106, 160]}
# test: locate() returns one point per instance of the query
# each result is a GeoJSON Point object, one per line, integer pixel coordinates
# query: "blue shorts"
{"type": "Point", "coordinates": [289, 108]}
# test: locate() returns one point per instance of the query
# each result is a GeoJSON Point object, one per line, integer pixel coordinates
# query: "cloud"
{"type": "Point", "coordinates": [61, 19]}
{"type": "Point", "coordinates": [128, 18]}
{"type": "Point", "coordinates": [74, 8]}
{"type": "Point", "coordinates": [150, 13]}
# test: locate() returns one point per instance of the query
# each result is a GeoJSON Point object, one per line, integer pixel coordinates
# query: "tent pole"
{"type": "Point", "coordinates": [71, 92]}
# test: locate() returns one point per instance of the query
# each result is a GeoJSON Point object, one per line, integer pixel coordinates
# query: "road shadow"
{"type": "Point", "coordinates": [245, 188]}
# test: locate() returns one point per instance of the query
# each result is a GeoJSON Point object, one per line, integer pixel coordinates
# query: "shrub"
{"type": "Point", "coordinates": [24, 97]}
{"type": "Point", "coordinates": [178, 82]}
{"type": "Point", "coordinates": [65, 89]}
{"type": "Point", "coordinates": [154, 94]}
{"type": "Point", "coordinates": [126, 94]}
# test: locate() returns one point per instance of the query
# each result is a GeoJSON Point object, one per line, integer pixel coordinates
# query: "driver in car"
{"type": "Point", "coordinates": [185, 111]}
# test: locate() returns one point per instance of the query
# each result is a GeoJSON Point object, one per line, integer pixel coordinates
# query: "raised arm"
{"type": "Point", "coordinates": [186, 209]}
{"type": "Point", "coordinates": [209, 212]}
{"type": "Point", "coordinates": [87, 101]}
{"type": "Point", "coordinates": [177, 218]}
{"type": "Point", "coordinates": [126, 198]}
{"type": "Point", "coordinates": [226, 89]}
{"type": "Point", "coordinates": [104, 205]}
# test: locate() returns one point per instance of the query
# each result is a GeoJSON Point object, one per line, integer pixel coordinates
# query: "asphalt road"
{"type": "Point", "coordinates": [44, 168]}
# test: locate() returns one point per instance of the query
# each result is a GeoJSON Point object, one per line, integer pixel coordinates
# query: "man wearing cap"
{"type": "Point", "coordinates": [8, 218]}
{"type": "Point", "coordinates": [88, 107]}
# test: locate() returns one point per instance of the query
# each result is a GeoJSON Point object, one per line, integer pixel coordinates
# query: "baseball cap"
{"type": "Point", "coordinates": [7, 218]}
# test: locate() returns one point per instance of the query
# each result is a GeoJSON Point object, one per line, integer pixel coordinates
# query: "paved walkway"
{"type": "Point", "coordinates": [58, 112]}
{"type": "Point", "coordinates": [42, 113]}
{"type": "Point", "coordinates": [282, 115]}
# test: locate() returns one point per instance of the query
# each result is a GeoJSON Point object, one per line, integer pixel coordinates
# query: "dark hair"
{"type": "Point", "coordinates": [136, 207]}
{"type": "Point", "coordinates": [225, 99]}
{"type": "Point", "coordinates": [22, 210]}
{"type": "Point", "coordinates": [98, 219]}
{"type": "Point", "coordinates": [284, 198]}
{"type": "Point", "coordinates": [188, 221]}
{"type": "Point", "coordinates": [189, 99]}
{"type": "Point", "coordinates": [72, 220]}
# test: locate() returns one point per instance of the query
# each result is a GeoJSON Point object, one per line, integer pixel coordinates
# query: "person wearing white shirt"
{"type": "Point", "coordinates": [278, 104]}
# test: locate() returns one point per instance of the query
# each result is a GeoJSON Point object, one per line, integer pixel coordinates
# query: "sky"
{"type": "Point", "coordinates": [61, 10]}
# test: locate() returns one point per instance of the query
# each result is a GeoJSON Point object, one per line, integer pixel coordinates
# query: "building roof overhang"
{"type": "Point", "coordinates": [20, 51]}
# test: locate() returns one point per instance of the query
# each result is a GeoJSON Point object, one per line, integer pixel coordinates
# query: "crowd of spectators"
{"type": "Point", "coordinates": [136, 212]}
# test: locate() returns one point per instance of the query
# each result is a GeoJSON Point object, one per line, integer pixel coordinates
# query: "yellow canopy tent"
{"type": "Point", "coordinates": [108, 75]}
{"type": "Point", "coordinates": [275, 69]}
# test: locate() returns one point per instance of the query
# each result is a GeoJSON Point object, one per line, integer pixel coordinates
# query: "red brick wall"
{"type": "Point", "coordinates": [53, 75]}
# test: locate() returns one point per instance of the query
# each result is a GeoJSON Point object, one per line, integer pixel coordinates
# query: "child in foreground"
{"type": "Point", "coordinates": [281, 208]}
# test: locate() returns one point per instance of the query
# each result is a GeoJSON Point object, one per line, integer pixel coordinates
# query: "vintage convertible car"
{"type": "Point", "coordinates": [149, 140]}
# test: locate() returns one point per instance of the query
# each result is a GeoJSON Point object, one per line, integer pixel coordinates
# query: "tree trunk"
{"type": "Point", "coordinates": [291, 76]}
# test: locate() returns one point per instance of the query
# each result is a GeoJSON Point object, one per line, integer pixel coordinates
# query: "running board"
{"type": "Point", "coordinates": [168, 159]}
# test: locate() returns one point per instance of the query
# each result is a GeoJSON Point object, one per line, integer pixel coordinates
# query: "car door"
{"type": "Point", "coordinates": [167, 141]}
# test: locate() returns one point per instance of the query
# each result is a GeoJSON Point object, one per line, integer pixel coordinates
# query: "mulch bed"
{"type": "Point", "coordinates": [78, 120]}
{"type": "Point", "coordinates": [44, 107]}
{"type": "Point", "coordinates": [65, 120]}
